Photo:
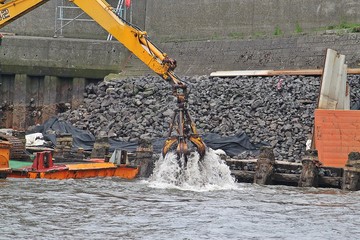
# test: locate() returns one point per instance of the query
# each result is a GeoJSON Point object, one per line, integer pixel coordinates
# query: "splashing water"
{"type": "Point", "coordinates": [209, 174]}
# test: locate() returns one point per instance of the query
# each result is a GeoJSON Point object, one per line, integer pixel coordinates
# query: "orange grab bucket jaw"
{"type": "Point", "coordinates": [182, 147]}
{"type": "Point", "coordinates": [168, 144]}
{"type": "Point", "coordinates": [200, 145]}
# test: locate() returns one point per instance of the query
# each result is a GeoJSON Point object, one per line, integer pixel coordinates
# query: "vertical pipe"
{"type": "Point", "coordinates": [56, 12]}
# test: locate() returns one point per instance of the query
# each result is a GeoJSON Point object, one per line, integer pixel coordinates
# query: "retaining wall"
{"type": "Point", "coordinates": [202, 19]}
{"type": "Point", "coordinates": [27, 100]}
{"type": "Point", "coordinates": [218, 19]}
{"type": "Point", "coordinates": [61, 56]}
{"type": "Point", "coordinates": [297, 52]}
{"type": "Point", "coordinates": [39, 75]}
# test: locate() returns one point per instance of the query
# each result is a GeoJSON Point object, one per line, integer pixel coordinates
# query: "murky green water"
{"type": "Point", "coordinates": [111, 208]}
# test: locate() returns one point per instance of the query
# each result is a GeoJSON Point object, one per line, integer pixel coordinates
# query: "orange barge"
{"type": "Point", "coordinates": [44, 167]}
{"type": "Point", "coordinates": [4, 159]}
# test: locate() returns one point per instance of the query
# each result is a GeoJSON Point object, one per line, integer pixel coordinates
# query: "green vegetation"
{"type": "Point", "coordinates": [298, 28]}
{"type": "Point", "coordinates": [216, 36]}
{"type": "Point", "coordinates": [236, 35]}
{"type": "Point", "coordinates": [351, 27]}
{"type": "Point", "coordinates": [278, 31]}
{"type": "Point", "coordinates": [259, 34]}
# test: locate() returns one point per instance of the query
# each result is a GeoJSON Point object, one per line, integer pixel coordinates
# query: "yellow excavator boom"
{"type": "Point", "coordinates": [132, 38]}
{"type": "Point", "coordinates": [12, 10]}
{"type": "Point", "coordinates": [137, 42]}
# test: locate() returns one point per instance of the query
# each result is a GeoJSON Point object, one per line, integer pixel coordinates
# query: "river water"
{"type": "Point", "coordinates": [111, 208]}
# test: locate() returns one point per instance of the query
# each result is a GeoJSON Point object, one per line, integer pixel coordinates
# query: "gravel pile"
{"type": "Point", "coordinates": [274, 110]}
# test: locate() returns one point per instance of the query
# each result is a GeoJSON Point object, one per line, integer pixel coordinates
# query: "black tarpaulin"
{"type": "Point", "coordinates": [232, 145]}
{"type": "Point", "coordinates": [81, 138]}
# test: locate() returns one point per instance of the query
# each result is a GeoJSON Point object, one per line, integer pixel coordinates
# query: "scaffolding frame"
{"type": "Point", "coordinates": [61, 21]}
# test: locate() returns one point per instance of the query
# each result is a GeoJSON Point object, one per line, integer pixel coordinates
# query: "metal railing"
{"type": "Point", "coordinates": [63, 13]}
{"type": "Point", "coordinates": [120, 11]}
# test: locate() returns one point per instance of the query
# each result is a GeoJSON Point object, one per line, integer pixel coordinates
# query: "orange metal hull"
{"type": "Point", "coordinates": [336, 135]}
{"type": "Point", "coordinates": [76, 171]}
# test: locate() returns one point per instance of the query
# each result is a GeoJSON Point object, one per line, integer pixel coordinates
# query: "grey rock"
{"type": "Point", "coordinates": [144, 106]}
{"type": "Point", "coordinates": [168, 113]}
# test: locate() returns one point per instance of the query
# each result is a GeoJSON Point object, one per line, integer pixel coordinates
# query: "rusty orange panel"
{"type": "Point", "coordinates": [4, 155]}
{"type": "Point", "coordinates": [341, 137]}
{"type": "Point", "coordinates": [82, 172]}
{"type": "Point", "coordinates": [350, 119]}
{"type": "Point", "coordinates": [87, 166]}
{"type": "Point", "coordinates": [339, 143]}
{"type": "Point", "coordinates": [333, 130]}
{"type": "Point", "coordinates": [126, 172]}
{"type": "Point", "coordinates": [337, 133]}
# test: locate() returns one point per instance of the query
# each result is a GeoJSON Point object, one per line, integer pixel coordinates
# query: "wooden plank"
{"type": "Point", "coordinates": [352, 169]}
{"type": "Point", "coordinates": [241, 73]}
{"type": "Point", "coordinates": [290, 72]}
{"type": "Point", "coordinates": [277, 162]}
{"type": "Point", "coordinates": [343, 94]}
{"type": "Point", "coordinates": [353, 162]}
{"type": "Point", "coordinates": [243, 176]}
{"type": "Point", "coordinates": [353, 71]}
{"type": "Point", "coordinates": [242, 160]}
{"type": "Point", "coordinates": [334, 182]}
{"type": "Point", "coordinates": [332, 81]}
{"type": "Point", "coordinates": [304, 72]}
{"type": "Point", "coordinates": [286, 178]}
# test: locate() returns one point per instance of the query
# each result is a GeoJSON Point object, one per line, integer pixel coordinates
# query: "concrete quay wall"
{"type": "Point", "coordinates": [27, 100]}
{"type": "Point", "coordinates": [173, 20]}
{"type": "Point", "coordinates": [219, 19]}
{"type": "Point", "coordinates": [41, 75]}
{"type": "Point", "coordinates": [63, 57]}
{"type": "Point", "coordinates": [296, 52]}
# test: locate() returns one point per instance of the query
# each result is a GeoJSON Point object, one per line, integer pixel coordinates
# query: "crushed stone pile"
{"type": "Point", "coordinates": [274, 110]}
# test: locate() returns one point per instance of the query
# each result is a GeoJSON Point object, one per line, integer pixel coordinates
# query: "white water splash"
{"type": "Point", "coordinates": [210, 174]}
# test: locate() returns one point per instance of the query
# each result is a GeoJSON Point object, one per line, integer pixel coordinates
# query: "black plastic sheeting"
{"type": "Point", "coordinates": [232, 145]}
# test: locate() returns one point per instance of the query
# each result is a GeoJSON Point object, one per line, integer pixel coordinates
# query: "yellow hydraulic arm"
{"type": "Point", "coordinates": [12, 10]}
{"type": "Point", "coordinates": [137, 42]}
{"type": "Point", "coordinates": [132, 38]}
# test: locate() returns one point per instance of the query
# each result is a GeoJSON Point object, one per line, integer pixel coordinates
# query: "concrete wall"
{"type": "Point", "coordinates": [167, 20]}
{"type": "Point", "coordinates": [296, 52]}
{"type": "Point", "coordinates": [27, 100]}
{"type": "Point", "coordinates": [61, 56]}
{"type": "Point", "coordinates": [54, 72]}
{"type": "Point", "coordinates": [64, 57]}
{"type": "Point", "coordinates": [38, 75]}
{"type": "Point", "coordinates": [218, 19]}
